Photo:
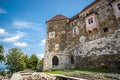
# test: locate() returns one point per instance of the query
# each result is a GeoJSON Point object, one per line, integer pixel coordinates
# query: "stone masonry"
{"type": "Point", "coordinates": [91, 38]}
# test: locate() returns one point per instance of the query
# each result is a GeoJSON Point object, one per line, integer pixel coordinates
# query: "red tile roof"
{"type": "Point", "coordinates": [58, 17]}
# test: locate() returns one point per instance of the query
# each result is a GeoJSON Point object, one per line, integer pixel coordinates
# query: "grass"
{"type": "Point", "coordinates": [89, 71]}
{"type": "Point", "coordinates": [99, 69]}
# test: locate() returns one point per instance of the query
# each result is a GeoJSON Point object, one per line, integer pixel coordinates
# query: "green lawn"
{"type": "Point", "coordinates": [104, 72]}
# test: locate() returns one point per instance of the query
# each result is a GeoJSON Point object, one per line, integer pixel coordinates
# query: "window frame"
{"type": "Point", "coordinates": [75, 30]}
{"type": "Point", "coordinates": [90, 21]}
{"type": "Point", "coordinates": [118, 6]}
{"type": "Point", "coordinates": [51, 34]}
{"type": "Point", "coordinates": [56, 47]}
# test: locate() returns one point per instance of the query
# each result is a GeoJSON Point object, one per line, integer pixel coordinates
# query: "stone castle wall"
{"type": "Point", "coordinates": [100, 52]}
{"type": "Point", "coordinates": [89, 48]}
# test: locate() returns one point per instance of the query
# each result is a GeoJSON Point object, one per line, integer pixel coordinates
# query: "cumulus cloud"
{"type": "Point", "coordinates": [28, 25]}
{"type": "Point", "coordinates": [20, 44]}
{"type": "Point", "coordinates": [3, 11]}
{"type": "Point", "coordinates": [2, 31]}
{"type": "Point", "coordinates": [42, 43]}
{"type": "Point", "coordinates": [40, 56]}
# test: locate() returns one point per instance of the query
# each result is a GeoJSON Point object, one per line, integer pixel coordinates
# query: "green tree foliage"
{"type": "Point", "coordinates": [2, 58]}
{"type": "Point", "coordinates": [25, 59]}
{"type": "Point", "coordinates": [40, 65]}
{"type": "Point", "coordinates": [3, 73]}
{"type": "Point", "coordinates": [33, 61]}
{"type": "Point", "coordinates": [14, 60]}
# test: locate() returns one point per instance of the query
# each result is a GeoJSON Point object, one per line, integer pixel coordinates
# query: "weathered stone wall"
{"type": "Point", "coordinates": [105, 18]}
{"type": "Point", "coordinates": [59, 28]}
{"type": "Point", "coordinates": [99, 47]}
{"type": "Point", "coordinates": [100, 52]}
{"type": "Point", "coordinates": [95, 49]}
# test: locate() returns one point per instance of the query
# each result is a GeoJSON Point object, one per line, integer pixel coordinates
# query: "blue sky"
{"type": "Point", "coordinates": [22, 22]}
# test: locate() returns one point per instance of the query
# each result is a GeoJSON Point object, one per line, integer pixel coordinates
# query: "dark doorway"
{"type": "Point", "coordinates": [72, 59]}
{"type": "Point", "coordinates": [55, 61]}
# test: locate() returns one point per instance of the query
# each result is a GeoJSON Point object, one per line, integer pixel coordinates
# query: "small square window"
{"type": "Point", "coordinates": [118, 5]}
{"type": "Point", "coordinates": [105, 29]}
{"type": "Point", "coordinates": [51, 34]}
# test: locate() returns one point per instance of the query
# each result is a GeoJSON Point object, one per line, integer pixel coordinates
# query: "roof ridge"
{"type": "Point", "coordinates": [57, 17]}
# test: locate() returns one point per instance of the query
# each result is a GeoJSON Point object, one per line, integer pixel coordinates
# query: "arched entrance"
{"type": "Point", "coordinates": [55, 61]}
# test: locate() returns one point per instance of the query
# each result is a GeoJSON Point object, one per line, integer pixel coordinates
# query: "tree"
{"type": "Point", "coordinates": [40, 65]}
{"type": "Point", "coordinates": [33, 61]}
{"type": "Point", "coordinates": [14, 60]}
{"type": "Point", "coordinates": [3, 73]}
{"type": "Point", "coordinates": [25, 58]}
{"type": "Point", "coordinates": [2, 58]}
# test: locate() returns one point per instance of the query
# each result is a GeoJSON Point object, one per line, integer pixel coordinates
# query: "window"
{"type": "Point", "coordinates": [90, 21]}
{"type": "Point", "coordinates": [56, 46]}
{"type": "Point", "coordinates": [55, 61]}
{"type": "Point", "coordinates": [72, 59]}
{"type": "Point", "coordinates": [75, 30]}
{"type": "Point", "coordinates": [105, 29]}
{"type": "Point", "coordinates": [51, 34]}
{"type": "Point", "coordinates": [118, 6]}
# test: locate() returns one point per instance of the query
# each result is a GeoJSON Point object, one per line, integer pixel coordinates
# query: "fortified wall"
{"type": "Point", "coordinates": [91, 38]}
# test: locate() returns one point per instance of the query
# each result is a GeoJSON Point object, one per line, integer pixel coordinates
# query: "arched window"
{"type": "Point", "coordinates": [55, 61]}
{"type": "Point", "coordinates": [72, 59]}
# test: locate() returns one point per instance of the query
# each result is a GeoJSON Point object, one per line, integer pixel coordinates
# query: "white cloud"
{"type": "Point", "coordinates": [42, 43]}
{"type": "Point", "coordinates": [21, 33]}
{"type": "Point", "coordinates": [20, 24]}
{"type": "Point", "coordinates": [20, 44]}
{"type": "Point", "coordinates": [12, 39]}
{"type": "Point", "coordinates": [40, 56]}
{"type": "Point", "coordinates": [2, 31]}
{"type": "Point", "coordinates": [28, 25]}
{"type": "Point", "coordinates": [3, 11]}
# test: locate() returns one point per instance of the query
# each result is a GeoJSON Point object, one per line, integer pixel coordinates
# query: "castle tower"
{"type": "Point", "coordinates": [55, 42]}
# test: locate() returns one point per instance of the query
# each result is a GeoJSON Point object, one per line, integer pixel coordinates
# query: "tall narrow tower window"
{"type": "Point", "coordinates": [118, 5]}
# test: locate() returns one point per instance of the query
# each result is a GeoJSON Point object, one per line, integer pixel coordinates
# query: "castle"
{"type": "Point", "coordinates": [91, 38]}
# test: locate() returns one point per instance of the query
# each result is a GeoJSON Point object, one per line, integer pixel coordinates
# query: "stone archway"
{"type": "Point", "coordinates": [55, 61]}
